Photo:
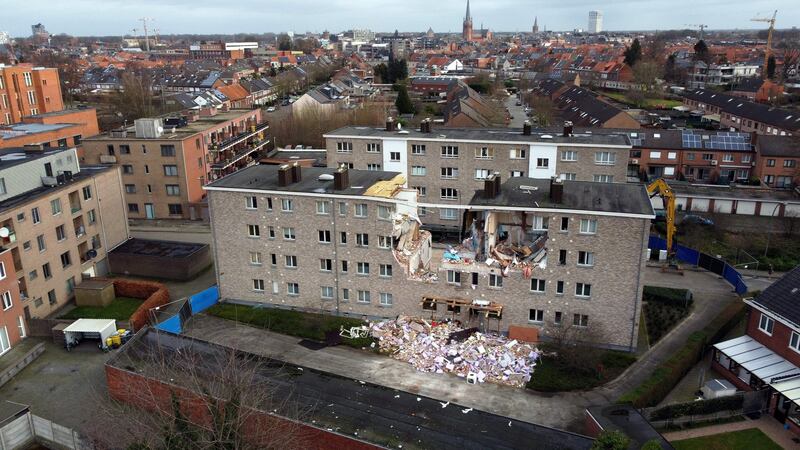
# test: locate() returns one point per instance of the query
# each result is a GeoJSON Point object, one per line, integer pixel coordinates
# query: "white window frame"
{"type": "Point", "coordinates": [386, 299]}
{"type": "Point", "coordinates": [419, 171]}
{"type": "Point", "coordinates": [326, 292]}
{"type": "Point", "coordinates": [290, 261]}
{"type": "Point", "coordinates": [253, 231]}
{"type": "Point", "coordinates": [385, 242]}
{"type": "Point", "coordinates": [323, 207]}
{"type": "Point", "coordinates": [482, 174]}
{"type": "Point", "coordinates": [484, 153]}
{"type": "Point", "coordinates": [588, 259]}
{"type": "Point", "coordinates": [385, 270]}
{"type": "Point", "coordinates": [495, 281]}
{"type": "Point", "coordinates": [344, 147]}
{"type": "Point", "coordinates": [255, 258]}
{"type": "Point", "coordinates": [516, 153]}
{"type": "Point", "coordinates": [289, 234]}
{"type": "Point", "coordinates": [293, 292]}
{"type": "Point", "coordinates": [361, 210]}
{"type": "Point", "coordinates": [605, 158]}
{"type": "Point", "coordinates": [582, 288]}
{"type": "Point", "coordinates": [8, 302]}
{"type": "Point", "coordinates": [538, 315]}
{"type": "Point", "coordinates": [258, 285]}
{"type": "Point", "coordinates": [569, 155]}
{"type": "Point", "coordinates": [454, 277]}
{"type": "Point", "coordinates": [373, 147]}
{"type": "Point", "coordinates": [418, 149]}
{"type": "Point", "coordinates": [362, 268]}
{"type": "Point", "coordinates": [287, 205]}
{"type": "Point", "coordinates": [363, 296]}
{"type": "Point", "coordinates": [766, 324]}
{"type": "Point", "coordinates": [588, 226]}
{"type": "Point", "coordinates": [448, 214]}
{"type": "Point", "coordinates": [541, 285]}
{"type": "Point", "coordinates": [796, 338]}
{"type": "Point", "coordinates": [449, 151]}
{"type": "Point", "coordinates": [448, 193]}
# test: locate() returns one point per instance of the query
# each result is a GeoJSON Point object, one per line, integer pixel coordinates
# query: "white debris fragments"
{"type": "Point", "coordinates": [480, 357]}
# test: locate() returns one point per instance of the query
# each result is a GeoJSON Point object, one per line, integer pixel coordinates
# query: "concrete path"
{"type": "Point", "coordinates": [564, 410]}
{"type": "Point", "coordinates": [767, 424]}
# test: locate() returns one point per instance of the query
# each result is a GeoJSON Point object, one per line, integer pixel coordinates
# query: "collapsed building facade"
{"type": "Point", "coordinates": [541, 253]}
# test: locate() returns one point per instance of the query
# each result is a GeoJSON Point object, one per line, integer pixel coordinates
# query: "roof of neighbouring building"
{"type": "Point", "coordinates": [534, 193]}
{"type": "Point", "coordinates": [783, 297]}
{"type": "Point", "coordinates": [778, 117]}
{"type": "Point", "coordinates": [786, 146]}
{"type": "Point", "coordinates": [165, 249]}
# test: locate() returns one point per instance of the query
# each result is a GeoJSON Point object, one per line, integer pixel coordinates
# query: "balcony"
{"type": "Point", "coordinates": [241, 137]}
{"type": "Point", "coordinates": [108, 159]}
{"type": "Point", "coordinates": [74, 202]}
{"type": "Point", "coordinates": [11, 239]}
{"type": "Point", "coordinates": [78, 226]}
{"type": "Point", "coordinates": [238, 156]}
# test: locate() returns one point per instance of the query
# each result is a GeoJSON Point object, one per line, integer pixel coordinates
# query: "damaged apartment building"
{"type": "Point", "coordinates": [447, 165]}
{"type": "Point", "coordinates": [537, 253]}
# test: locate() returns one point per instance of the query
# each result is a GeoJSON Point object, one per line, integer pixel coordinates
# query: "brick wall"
{"type": "Point", "coordinates": [155, 294]}
{"type": "Point", "coordinates": [778, 342]}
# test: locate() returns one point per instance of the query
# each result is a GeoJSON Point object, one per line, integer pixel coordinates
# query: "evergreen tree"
{"type": "Point", "coordinates": [701, 52]}
{"type": "Point", "coordinates": [403, 103]}
{"type": "Point", "coordinates": [633, 53]}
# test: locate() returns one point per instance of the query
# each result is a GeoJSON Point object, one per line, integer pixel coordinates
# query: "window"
{"type": "Point", "coordinates": [146, 168]}
{"type": "Point", "coordinates": [517, 173]}
{"type": "Point", "coordinates": [583, 290]}
{"type": "Point", "coordinates": [516, 153]}
{"type": "Point", "coordinates": [565, 224]}
{"type": "Point", "coordinates": [361, 210]}
{"type": "Point", "coordinates": [588, 226]}
{"type": "Point", "coordinates": [26, 245]}
{"type": "Point", "coordinates": [258, 285]}
{"type": "Point", "coordinates": [326, 292]}
{"type": "Point", "coordinates": [60, 233]}
{"type": "Point", "coordinates": [417, 149]}
{"type": "Point", "coordinates": [374, 167]}
{"type": "Point", "coordinates": [394, 156]}
{"type": "Point", "coordinates": [537, 285]}
{"type": "Point", "coordinates": [342, 208]}
{"type": "Point", "coordinates": [40, 243]}
{"type": "Point", "coordinates": [7, 304]}
{"type": "Point", "coordinates": [655, 155]}
{"type": "Point", "coordinates": [569, 176]}
{"type": "Point", "coordinates": [250, 202]}
{"type": "Point", "coordinates": [580, 320]}
{"type": "Point", "coordinates": [124, 149]}
{"type": "Point", "coordinates": [604, 178]}
{"type": "Point", "coordinates": [288, 233]}
{"type": "Point", "coordinates": [55, 206]}
{"type": "Point", "coordinates": [269, 203]}
{"type": "Point", "coordinates": [293, 289]}
{"type": "Point", "coordinates": [127, 169]}
{"type": "Point", "coordinates": [418, 171]}
{"type": "Point", "coordinates": [273, 259]}
{"type": "Point", "coordinates": [344, 147]}
{"type": "Point", "coordinates": [51, 296]}
{"type": "Point", "coordinates": [87, 192]}
{"type": "Point", "coordinates": [175, 209]}
{"type": "Point", "coordinates": [448, 214]}
{"type": "Point", "coordinates": [170, 170]}
{"type": "Point", "coordinates": [557, 318]}
{"type": "Point", "coordinates": [454, 277]}
{"type": "Point", "coordinates": [766, 324]}
{"type": "Point", "coordinates": [363, 296]}
{"type": "Point", "coordinates": [708, 156]}
{"type": "Point", "coordinates": [362, 268]}
{"type": "Point", "coordinates": [605, 158]}
{"type": "Point", "coordinates": [770, 163]}
{"type": "Point", "coordinates": [287, 205]}
{"type": "Point", "coordinates": [495, 281]}
{"type": "Point", "coordinates": [585, 258]}
{"type": "Point", "coordinates": [325, 265]}
{"type": "Point", "coordinates": [536, 315]}
{"type": "Point", "coordinates": [386, 299]}
{"type": "Point", "coordinates": [271, 231]}
{"type": "Point", "coordinates": [323, 207]}
{"type": "Point", "coordinates": [559, 287]}
{"type": "Point", "coordinates": [373, 148]}
{"type": "Point", "coordinates": [690, 156]}
{"type": "Point", "coordinates": [343, 237]}
{"type": "Point", "coordinates": [324, 236]}
{"type": "Point", "coordinates": [385, 242]}
{"type": "Point", "coordinates": [66, 260]}
{"type": "Point", "coordinates": [542, 163]}
{"type": "Point", "coordinates": [562, 257]}
{"type": "Point", "coordinates": [384, 212]}
{"type": "Point", "coordinates": [540, 223]}
{"type": "Point", "coordinates": [345, 266]}
{"type": "Point", "coordinates": [255, 258]}
{"type": "Point", "coordinates": [746, 158]}
{"type": "Point", "coordinates": [449, 173]}
{"type": "Point", "coordinates": [449, 194]}
{"type": "Point", "coordinates": [345, 295]}
{"type": "Point", "coordinates": [2, 271]}
{"type": "Point", "coordinates": [362, 239]}
{"type": "Point", "coordinates": [130, 188]}
{"type": "Point", "coordinates": [149, 188]}
{"type": "Point", "coordinates": [35, 215]}
{"type": "Point", "coordinates": [46, 271]}
{"type": "Point", "coordinates": [789, 163]}
{"type": "Point", "coordinates": [449, 151]}
{"type": "Point", "coordinates": [385, 270]}
{"type": "Point", "coordinates": [481, 174]}
{"type": "Point", "coordinates": [33, 274]}
{"type": "Point", "coordinates": [133, 208]}
{"type": "Point", "coordinates": [167, 150]}
{"type": "Point", "coordinates": [253, 231]}
{"type": "Point", "coordinates": [290, 261]}
{"type": "Point", "coordinates": [569, 155]}
{"type": "Point", "coordinates": [31, 98]}
{"type": "Point", "coordinates": [794, 341]}
{"type": "Point", "coordinates": [672, 155]}
{"type": "Point", "coordinates": [173, 190]}
{"type": "Point", "coordinates": [484, 153]}
{"type": "Point", "coordinates": [727, 157]}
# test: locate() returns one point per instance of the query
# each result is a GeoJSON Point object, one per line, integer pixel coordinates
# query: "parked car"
{"type": "Point", "coordinates": [271, 109]}
{"type": "Point", "coordinates": [693, 218]}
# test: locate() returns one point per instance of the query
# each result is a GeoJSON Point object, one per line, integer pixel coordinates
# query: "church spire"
{"type": "Point", "coordinates": [468, 17]}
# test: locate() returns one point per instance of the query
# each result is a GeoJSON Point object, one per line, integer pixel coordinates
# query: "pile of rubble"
{"type": "Point", "coordinates": [478, 358]}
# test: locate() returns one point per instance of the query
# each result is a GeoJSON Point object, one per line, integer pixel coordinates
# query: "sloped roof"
{"type": "Point", "coordinates": [781, 118]}
{"type": "Point", "coordinates": [783, 297]}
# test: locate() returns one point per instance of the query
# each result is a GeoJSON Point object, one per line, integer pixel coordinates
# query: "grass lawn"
{"type": "Point", "coordinates": [551, 375]}
{"type": "Point", "coordinates": [649, 103]}
{"type": "Point", "coordinates": [294, 323]}
{"type": "Point", "coordinates": [750, 439]}
{"type": "Point", "coordinates": [119, 309]}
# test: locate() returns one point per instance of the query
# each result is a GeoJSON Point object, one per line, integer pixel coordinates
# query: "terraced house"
{"type": "Point", "coordinates": [533, 252]}
{"type": "Point", "coordinates": [447, 165]}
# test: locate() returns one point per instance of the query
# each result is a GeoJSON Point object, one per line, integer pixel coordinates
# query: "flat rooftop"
{"type": "Point", "coordinates": [352, 407]}
{"type": "Point", "coordinates": [739, 193]}
{"type": "Point", "coordinates": [265, 177]}
{"type": "Point", "coordinates": [10, 157]}
{"type": "Point", "coordinates": [85, 173]}
{"type": "Point", "coordinates": [163, 249]}
{"type": "Point", "coordinates": [620, 198]}
{"type": "Point", "coordinates": [27, 129]}
{"type": "Point", "coordinates": [63, 112]}
{"type": "Point", "coordinates": [512, 135]}
{"type": "Point", "coordinates": [203, 123]}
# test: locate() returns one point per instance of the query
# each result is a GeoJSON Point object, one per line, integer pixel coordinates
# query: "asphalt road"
{"type": "Point", "coordinates": [518, 112]}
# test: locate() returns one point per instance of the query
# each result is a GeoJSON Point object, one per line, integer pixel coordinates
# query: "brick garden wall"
{"type": "Point", "coordinates": [155, 294]}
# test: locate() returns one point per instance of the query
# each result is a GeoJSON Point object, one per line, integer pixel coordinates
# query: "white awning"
{"type": "Point", "coordinates": [757, 359]}
{"type": "Point", "coordinates": [790, 388]}
{"type": "Point", "coordinates": [90, 325]}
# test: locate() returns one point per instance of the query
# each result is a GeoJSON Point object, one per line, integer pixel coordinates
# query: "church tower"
{"type": "Point", "coordinates": [535, 25]}
{"type": "Point", "coordinates": [466, 32]}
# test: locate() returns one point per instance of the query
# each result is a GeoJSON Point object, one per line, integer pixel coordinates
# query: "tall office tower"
{"type": "Point", "coordinates": [595, 21]}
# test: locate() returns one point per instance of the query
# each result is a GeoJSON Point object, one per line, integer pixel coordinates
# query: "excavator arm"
{"type": "Point", "coordinates": [662, 189]}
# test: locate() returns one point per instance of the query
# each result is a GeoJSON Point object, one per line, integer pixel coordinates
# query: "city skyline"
{"type": "Point", "coordinates": [191, 17]}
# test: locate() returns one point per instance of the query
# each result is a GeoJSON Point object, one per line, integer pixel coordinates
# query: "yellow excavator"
{"type": "Point", "coordinates": [662, 189]}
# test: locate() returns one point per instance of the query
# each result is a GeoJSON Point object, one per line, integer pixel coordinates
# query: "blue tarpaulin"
{"type": "Point", "coordinates": [171, 325]}
{"type": "Point", "coordinates": [691, 256]}
{"type": "Point", "coordinates": [204, 299]}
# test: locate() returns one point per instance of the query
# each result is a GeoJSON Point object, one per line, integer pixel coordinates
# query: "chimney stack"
{"type": "Point", "coordinates": [341, 178]}
{"type": "Point", "coordinates": [390, 124]}
{"type": "Point", "coordinates": [491, 185]}
{"type": "Point", "coordinates": [296, 176]}
{"type": "Point", "coordinates": [567, 128]}
{"type": "Point", "coordinates": [284, 175]}
{"type": "Point", "coordinates": [556, 190]}
{"type": "Point", "coordinates": [526, 128]}
{"type": "Point", "coordinates": [425, 125]}
{"type": "Point", "coordinates": [33, 148]}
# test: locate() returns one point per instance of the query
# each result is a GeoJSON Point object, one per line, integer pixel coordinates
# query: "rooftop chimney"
{"type": "Point", "coordinates": [526, 128]}
{"type": "Point", "coordinates": [284, 175]}
{"type": "Point", "coordinates": [341, 178]}
{"type": "Point", "coordinates": [296, 175]}
{"type": "Point", "coordinates": [556, 190]}
{"type": "Point", "coordinates": [390, 124]}
{"type": "Point", "coordinates": [567, 128]}
{"type": "Point", "coordinates": [491, 185]}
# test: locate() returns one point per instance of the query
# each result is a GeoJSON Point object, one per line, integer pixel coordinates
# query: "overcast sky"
{"type": "Point", "coordinates": [117, 17]}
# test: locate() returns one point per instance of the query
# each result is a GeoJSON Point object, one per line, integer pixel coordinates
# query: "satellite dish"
{"type": "Point", "coordinates": [4, 233]}
{"type": "Point", "coordinates": [160, 129]}
{"type": "Point", "coordinates": [91, 253]}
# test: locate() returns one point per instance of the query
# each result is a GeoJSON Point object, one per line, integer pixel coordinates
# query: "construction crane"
{"type": "Point", "coordinates": [662, 189]}
{"type": "Point", "coordinates": [768, 50]}
{"type": "Point", "coordinates": [144, 21]}
{"type": "Point", "coordinates": [702, 27]}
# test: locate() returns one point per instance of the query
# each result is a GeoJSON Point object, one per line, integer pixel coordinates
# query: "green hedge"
{"type": "Point", "coordinates": [552, 375]}
{"type": "Point", "coordinates": [656, 387]}
{"type": "Point", "coordinates": [698, 408]}
{"type": "Point", "coordinates": [672, 296]}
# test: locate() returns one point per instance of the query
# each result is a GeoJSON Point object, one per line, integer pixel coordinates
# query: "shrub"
{"type": "Point", "coordinates": [611, 440]}
{"type": "Point", "coordinates": [698, 408]}
{"type": "Point", "coordinates": [652, 444]}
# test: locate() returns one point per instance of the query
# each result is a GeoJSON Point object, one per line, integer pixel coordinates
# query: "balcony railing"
{"type": "Point", "coordinates": [227, 162]}
{"type": "Point", "coordinates": [230, 142]}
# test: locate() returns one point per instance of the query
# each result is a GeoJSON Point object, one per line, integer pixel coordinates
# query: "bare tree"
{"type": "Point", "coordinates": [135, 99]}
{"type": "Point", "coordinates": [576, 347]}
{"type": "Point", "coordinates": [308, 126]}
{"type": "Point", "coordinates": [197, 397]}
